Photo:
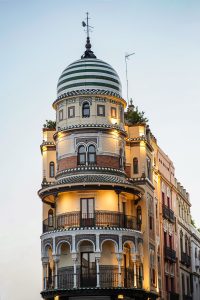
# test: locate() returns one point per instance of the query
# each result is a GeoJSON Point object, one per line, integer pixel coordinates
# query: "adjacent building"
{"type": "Point", "coordinates": [195, 263]}
{"type": "Point", "coordinates": [116, 223]}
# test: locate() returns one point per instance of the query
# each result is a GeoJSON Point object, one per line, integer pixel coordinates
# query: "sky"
{"type": "Point", "coordinates": [38, 39]}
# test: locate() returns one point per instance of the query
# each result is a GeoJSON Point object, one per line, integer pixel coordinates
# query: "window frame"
{"type": "Point", "coordinates": [50, 218]}
{"type": "Point", "coordinates": [83, 108]}
{"type": "Point", "coordinates": [73, 112]}
{"type": "Point", "coordinates": [79, 154]}
{"type": "Point", "coordinates": [149, 168]}
{"type": "Point", "coordinates": [60, 115]}
{"type": "Point", "coordinates": [99, 106]}
{"type": "Point", "coordinates": [139, 217]}
{"type": "Point", "coordinates": [88, 155]}
{"type": "Point", "coordinates": [135, 166]}
{"type": "Point", "coordinates": [113, 112]}
{"type": "Point", "coordinates": [51, 164]}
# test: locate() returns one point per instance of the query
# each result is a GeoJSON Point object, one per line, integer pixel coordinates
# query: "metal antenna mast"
{"type": "Point", "coordinates": [126, 58]}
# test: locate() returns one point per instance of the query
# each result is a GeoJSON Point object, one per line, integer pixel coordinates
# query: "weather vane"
{"type": "Point", "coordinates": [87, 25]}
{"type": "Point", "coordinates": [126, 58]}
{"type": "Point", "coordinates": [88, 53]}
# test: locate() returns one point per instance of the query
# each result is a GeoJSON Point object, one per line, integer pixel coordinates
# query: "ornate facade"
{"type": "Point", "coordinates": [111, 224]}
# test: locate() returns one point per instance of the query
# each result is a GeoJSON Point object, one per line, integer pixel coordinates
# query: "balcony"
{"type": "Point", "coordinates": [173, 296]}
{"type": "Point", "coordinates": [97, 219]}
{"type": "Point", "coordinates": [108, 278]}
{"type": "Point", "coordinates": [168, 214]}
{"type": "Point", "coordinates": [185, 259]}
{"type": "Point", "coordinates": [170, 254]}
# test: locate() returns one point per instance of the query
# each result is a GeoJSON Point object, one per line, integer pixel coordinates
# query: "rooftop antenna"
{"type": "Point", "coordinates": [126, 58]}
{"type": "Point", "coordinates": [88, 52]}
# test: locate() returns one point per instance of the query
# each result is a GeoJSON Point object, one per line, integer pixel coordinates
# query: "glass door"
{"type": "Point", "coordinates": [87, 212]}
{"type": "Point", "coordinates": [88, 269]}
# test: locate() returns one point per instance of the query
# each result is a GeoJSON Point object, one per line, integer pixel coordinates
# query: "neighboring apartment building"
{"type": "Point", "coordinates": [165, 194]}
{"type": "Point", "coordinates": [184, 233]}
{"type": "Point", "coordinates": [195, 262]}
{"type": "Point", "coordinates": [116, 224]}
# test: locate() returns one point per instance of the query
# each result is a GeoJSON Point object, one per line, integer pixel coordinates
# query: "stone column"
{"type": "Point", "coordinates": [97, 257]}
{"type": "Point", "coordinates": [135, 275]}
{"type": "Point", "coordinates": [119, 259]}
{"type": "Point", "coordinates": [74, 259]}
{"type": "Point", "coordinates": [45, 261]}
{"type": "Point", "coordinates": [56, 259]}
{"type": "Point", "coordinates": [97, 243]}
{"type": "Point", "coordinates": [138, 274]}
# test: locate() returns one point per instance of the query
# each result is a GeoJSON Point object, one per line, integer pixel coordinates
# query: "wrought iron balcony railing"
{"type": "Point", "coordinates": [98, 218]}
{"type": "Point", "coordinates": [185, 259]}
{"type": "Point", "coordinates": [168, 214]}
{"type": "Point", "coordinates": [107, 279]}
{"type": "Point", "coordinates": [170, 254]}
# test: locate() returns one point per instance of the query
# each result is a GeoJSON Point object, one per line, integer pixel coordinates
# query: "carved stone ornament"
{"type": "Point", "coordinates": [82, 99]}
{"type": "Point", "coordinates": [170, 229]}
{"type": "Point", "coordinates": [165, 225]}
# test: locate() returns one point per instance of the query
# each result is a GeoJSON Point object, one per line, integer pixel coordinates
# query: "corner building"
{"type": "Point", "coordinates": [96, 243]}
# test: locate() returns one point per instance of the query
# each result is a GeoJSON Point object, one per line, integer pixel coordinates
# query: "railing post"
{"type": "Point", "coordinates": [56, 259]}
{"type": "Point", "coordinates": [74, 259]}
{"type": "Point", "coordinates": [119, 258]}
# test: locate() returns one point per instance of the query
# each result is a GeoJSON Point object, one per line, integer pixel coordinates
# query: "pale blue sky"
{"type": "Point", "coordinates": [38, 39]}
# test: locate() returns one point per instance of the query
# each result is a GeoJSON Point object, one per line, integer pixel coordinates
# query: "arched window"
{"type": "Point", "coordinates": [81, 155]}
{"type": "Point", "coordinates": [121, 158]}
{"type": "Point", "coordinates": [91, 155]}
{"type": "Point", "coordinates": [51, 169]}
{"type": "Point", "coordinates": [139, 217]}
{"type": "Point", "coordinates": [181, 241]}
{"type": "Point", "coordinates": [135, 165]}
{"type": "Point", "coordinates": [149, 168]}
{"type": "Point", "coordinates": [86, 110]}
{"type": "Point", "coordinates": [50, 218]}
{"type": "Point", "coordinates": [186, 244]}
{"type": "Point", "coordinates": [179, 209]}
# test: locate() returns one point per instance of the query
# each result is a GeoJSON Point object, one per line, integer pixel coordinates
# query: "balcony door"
{"type": "Point", "coordinates": [88, 269]}
{"type": "Point", "coordinates": [87, 212]}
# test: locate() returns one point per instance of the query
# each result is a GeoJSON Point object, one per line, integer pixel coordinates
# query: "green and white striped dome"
{"type": "Point", "coordinates": [89, 74]}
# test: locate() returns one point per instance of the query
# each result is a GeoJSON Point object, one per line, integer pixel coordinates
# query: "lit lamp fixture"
{"type": "Point", "coordinates": [56, 298]}
{"type": "Point", "coordinates": [120, 297]}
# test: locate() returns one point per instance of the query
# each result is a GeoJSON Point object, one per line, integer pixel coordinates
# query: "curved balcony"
{"type": "Point", "coordinates": [96, 219]}
{"type": "Point", "coordinates": [107, 278]}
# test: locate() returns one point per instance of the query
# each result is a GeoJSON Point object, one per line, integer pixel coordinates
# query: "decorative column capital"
{"type": "Point", "coordinates": [44, 260]}
{"type": "Point", "coordinates": [119, 256]}
{"type": "Point", "coordinates": [56, 258]}
{"type": "Point", "coordinates": [134, 257]}
{"type": "Point", "coordinates": [74, 257]}
{"type": "Point", "coordinates": [98, 255]}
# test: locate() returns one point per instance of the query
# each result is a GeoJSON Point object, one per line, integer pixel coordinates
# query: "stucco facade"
{"type": "Point", "coordinates": [116, 223]}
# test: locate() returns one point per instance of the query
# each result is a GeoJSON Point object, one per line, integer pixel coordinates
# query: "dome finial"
{"type": "Point", "coordinates": [88, 53]}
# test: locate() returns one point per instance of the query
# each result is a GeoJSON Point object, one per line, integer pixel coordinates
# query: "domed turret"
{"type": "Point", "coordinates": [89, 74]}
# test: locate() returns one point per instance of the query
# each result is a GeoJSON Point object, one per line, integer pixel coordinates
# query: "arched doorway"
{"type": "Point", "coordinates": [127, 266]}
{"type": "Point", "coordinates": [87, 264]}
{"type": "Point", "coordinates": [65, 276]}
